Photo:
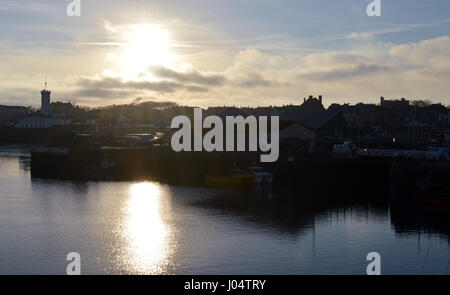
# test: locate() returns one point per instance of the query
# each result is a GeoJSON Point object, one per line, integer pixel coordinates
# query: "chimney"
{"type": "Point", "coordinates": [320, 99]}
{"type": "Point", "coordinates": [310, 97]}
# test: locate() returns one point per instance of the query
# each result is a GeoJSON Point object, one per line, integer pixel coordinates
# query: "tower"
{"type": "Point", "coordinates": [45, 100]}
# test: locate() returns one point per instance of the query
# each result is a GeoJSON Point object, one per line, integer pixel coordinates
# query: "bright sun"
{"type": "Point", "coordinates": [145, 45]}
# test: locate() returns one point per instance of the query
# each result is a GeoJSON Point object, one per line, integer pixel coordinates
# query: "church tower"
{"type": "Point", "coordinates": [45, 100]}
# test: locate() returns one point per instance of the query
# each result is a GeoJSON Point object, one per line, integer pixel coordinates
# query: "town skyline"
{"type": "Point", "coordinates": [294, 101]}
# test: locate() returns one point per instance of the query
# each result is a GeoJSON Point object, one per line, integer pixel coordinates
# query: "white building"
{"type": "Point", "coordinates": [44, 118]}
{"type": "Point", "coordinates": [39, 120]}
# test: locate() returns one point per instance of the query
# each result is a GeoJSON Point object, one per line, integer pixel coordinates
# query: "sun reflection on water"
{"type": "Point", "coordinates": [147, 236]}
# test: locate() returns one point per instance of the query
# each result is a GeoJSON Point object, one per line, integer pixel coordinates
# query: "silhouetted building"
{"type": "Point", "coordinates": [295, 137]}
{"type": "Point", "coordinates": [312, 104]}
{"type": "Point", "coordinates": [45, 101]}
{"type": "Point", "coordinates": [314, 116]}
{"type": "Point", "coordinates": [64, 108]}
{"type": "Point", "coordinates": [9, 114]}
{"type": "Point", "coordinates": [401, 104]}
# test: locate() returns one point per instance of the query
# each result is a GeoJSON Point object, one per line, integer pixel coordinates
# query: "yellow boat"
{"type": "Point", "coordinates": [235, 178]}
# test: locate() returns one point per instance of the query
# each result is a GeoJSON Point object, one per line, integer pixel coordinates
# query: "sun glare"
{"type": "Point", "coordinates": [145, 45]}
{"type": "Point", "coordinates": [147, 234]}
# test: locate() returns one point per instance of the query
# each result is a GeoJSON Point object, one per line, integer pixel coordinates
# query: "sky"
{"type": "Point", "coordinates": [233, 52]}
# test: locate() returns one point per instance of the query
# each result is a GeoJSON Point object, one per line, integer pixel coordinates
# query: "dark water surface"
{"type": "Point", "coordinates": [152, 228]}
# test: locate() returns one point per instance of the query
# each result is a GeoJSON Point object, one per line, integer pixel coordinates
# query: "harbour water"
{"type": "Point", "coordinates": [150, 228]}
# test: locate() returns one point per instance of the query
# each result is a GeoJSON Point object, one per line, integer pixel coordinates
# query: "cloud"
{"type": "Point", "coordinates": [101, 93]}
{"type": "Point", "coordinates": [435, 52]}
{"type": "Point", "coordinates": [360, 36]}
{"type": "Point", "coordinates": [171, 81]}
{"type": "Point", "coordinates": [191, 76]}
{"type": "Point", "coordinates": [256, 77]}
{"type": "Point", "coordinates": [18, 6]}
{"type": "Point", "coordinates": [354, 70]}
{"type": "Point", "coordinates": [255, 80]}
{"type": "Point", "coordinates": [163, 86]}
